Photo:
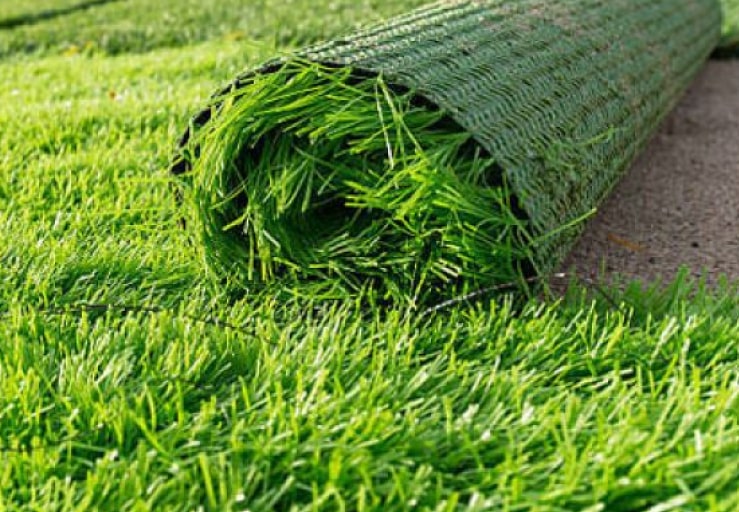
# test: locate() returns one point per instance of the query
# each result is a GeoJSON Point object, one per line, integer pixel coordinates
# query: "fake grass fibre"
{"type": "Point", "coordinates": [312, 173]}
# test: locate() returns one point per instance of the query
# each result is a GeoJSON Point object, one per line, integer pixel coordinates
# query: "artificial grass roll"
{"type": "Point", "coordinates": [452, 148]}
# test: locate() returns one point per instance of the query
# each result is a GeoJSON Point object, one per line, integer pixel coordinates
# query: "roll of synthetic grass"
{"type": "Point", "coordinates": [453, 148]}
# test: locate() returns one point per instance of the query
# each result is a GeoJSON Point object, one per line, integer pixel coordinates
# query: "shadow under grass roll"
{"type": "Point", "coordinates": [456, 147]}
{"type": "Point", "coordinates": [312, 173]}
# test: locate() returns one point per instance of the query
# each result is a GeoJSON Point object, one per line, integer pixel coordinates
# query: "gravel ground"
{"type": "Point", "coordinates": [679, 204]}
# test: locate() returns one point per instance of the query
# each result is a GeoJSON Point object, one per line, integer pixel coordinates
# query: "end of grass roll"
{"type": "Point", "coordinates": [312, 174]}
{"type": "Point", "coordinates": [729, 45]}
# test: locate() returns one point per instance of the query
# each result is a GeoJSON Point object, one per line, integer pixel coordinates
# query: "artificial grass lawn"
{"type": "Point", "coordinates": [324, 407]}
{"type": "Point", "coordinates": [198, 397]}
{"type": "Point", "coordinates": [120, 26]}
{"type": "Point", "coordinates": [13, 14]}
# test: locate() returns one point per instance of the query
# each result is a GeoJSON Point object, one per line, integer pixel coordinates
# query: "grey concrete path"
{"type": "Point", "coordinates": [679, 204]}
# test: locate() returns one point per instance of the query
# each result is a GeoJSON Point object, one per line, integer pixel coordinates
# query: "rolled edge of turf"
{"type": "Point", "coordinates": [728, 47]}
{"type": "Point", "coordinates": [563, 96]}
{"type": "Point", "coordinates": [319, 174]}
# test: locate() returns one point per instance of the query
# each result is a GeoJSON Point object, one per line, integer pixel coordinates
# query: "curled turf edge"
{"type": "Point", "coordinates": [318, 174]}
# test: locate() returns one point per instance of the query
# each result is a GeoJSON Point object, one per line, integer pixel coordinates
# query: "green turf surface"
{"type": "Point", "coordinates": [140, 25]}
{"type": "Point", "coordinates": [27, 10]}
{"type": "Point", "coordinates": [168, 391]}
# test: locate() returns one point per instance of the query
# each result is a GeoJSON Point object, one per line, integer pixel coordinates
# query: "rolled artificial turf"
{"type": "Point", "coordinates": [450, 149]}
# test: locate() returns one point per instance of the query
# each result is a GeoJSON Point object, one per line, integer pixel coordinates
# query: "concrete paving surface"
{"type": "Point", "coordinates": [679, 204]}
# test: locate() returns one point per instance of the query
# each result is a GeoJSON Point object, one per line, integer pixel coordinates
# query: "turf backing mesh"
{"type": "Point", "coordinates": [560, 96]}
